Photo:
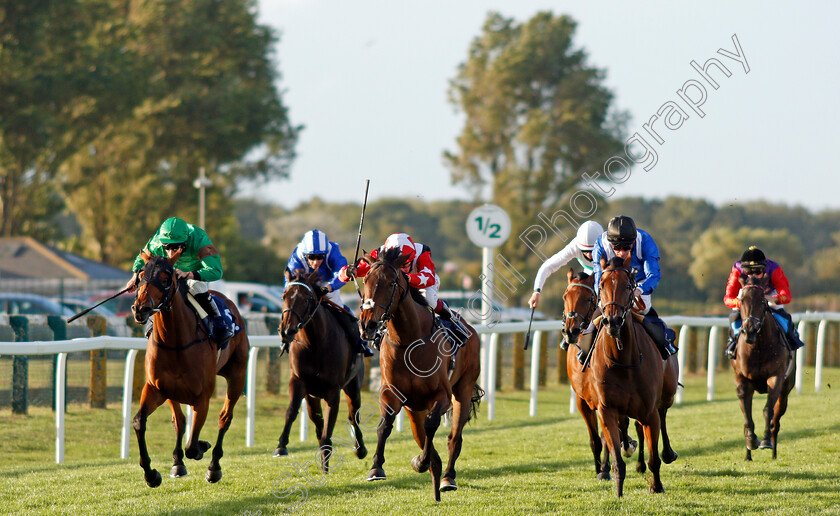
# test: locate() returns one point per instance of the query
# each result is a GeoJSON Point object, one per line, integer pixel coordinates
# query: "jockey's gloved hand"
{"type": "Point", "coordinates": [637, 292]}
{"type": "Point", "coordinates": [323, 291]}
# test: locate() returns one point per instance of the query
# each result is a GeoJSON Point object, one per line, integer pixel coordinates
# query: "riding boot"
{"type": "Point", "coordinates": [661, 334]}
{"type": "Point", "coordinates": [734, 330]}
{"type": "Point", "coordinates": [458, 333]}
{"type": "Point", "coordinates": [585, 342]}
{"type": "Point", "coordinates": [791, 332]}
{"type": "Point", "coordinates": [216, 324]}
{"type": "Point", "coordinates": [351, 328]}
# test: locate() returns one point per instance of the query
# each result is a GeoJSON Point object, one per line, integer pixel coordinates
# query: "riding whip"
{"type": "Point", "coordinates": [83, 312]}
{"type": "Point", "coordinates": [528, 335]}
{"type": "Point", "coordinates": [359, 238]}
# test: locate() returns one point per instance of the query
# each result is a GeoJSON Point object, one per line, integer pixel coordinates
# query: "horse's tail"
{"type": "Point", "coordinates": [477, 394]}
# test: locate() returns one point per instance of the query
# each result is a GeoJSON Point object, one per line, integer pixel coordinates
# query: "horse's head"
{"type": "Point", "coordinates": [753, 306]}
{"type": "Point", "coordinates": [301, 299]}
{"type": "Point", "coordinates": [579, 301]}
{"type": "Point", "coordinates": [156, 288]}
{"type": "Point", "coordinates": [616, 290]}
{"type": "Point", "coordinates": [384, 289]}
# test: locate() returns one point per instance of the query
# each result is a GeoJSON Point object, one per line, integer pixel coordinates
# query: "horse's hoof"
{"type": "Point", "coordinates": [669, 456]}
{"type": "Point", "coordinates": [418, 466]}
{"type": "Point", "coordinates": [448, 485]}
{"type": "Point", "coordinates": [766, 444]}
{"type": "Point", "coordinates": [213, 476]}
{"type": "Point", "coordinates": [280, 452]}
{"type": "Point", "coordinates": [153, 480]}
{"type": "Point", "coordinates": [752, 444]}
{"type": "Point", "coordinates": [361, 452]}
{"type": "Point", "coordinates": [376, 474]}
{"type": "Point", "coordinates": [640, 467]}
{"type": "Point", "coordinates": [655, 489]}
{"type": "Point", "coordinates": [178, 471]}
{"type": "Point", "coordinates": [630, 449]}
{"type": "Point", "coordinates": [604, 476]}
{"type": "Point", "coordinates": [197, 453]}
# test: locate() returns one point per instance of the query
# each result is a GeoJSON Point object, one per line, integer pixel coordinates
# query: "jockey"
{"type": "Point", "coordinates": [777, 292]}
{"type": "Point", "coordinates": [316, 253]}
{"type": "Point", "coordinates": [580, 248]}
{"type": "Point", "coordinates": [420, 271]}
{"type": "Point", "coordinates": [198, 263]}
{"type": "Point", "coordinates": [622, 239]}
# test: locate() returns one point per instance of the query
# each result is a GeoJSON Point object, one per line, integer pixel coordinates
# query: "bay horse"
{"type": "Point", "coordinates": [629, 376]}
{"type": "Point", "coordinates": [762, 363]}
{"type": "Point", "coordinates": [181, 367]}
{"type": "Point", "coordinates": [580, 303]}
{"type": "Point", "coordinates": [413, 360]}
{"type": "Point", "coordinates": [322, 364]}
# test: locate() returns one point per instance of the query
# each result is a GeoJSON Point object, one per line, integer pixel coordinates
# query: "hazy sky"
{"type": "Point", "coordinates": [369, 81]}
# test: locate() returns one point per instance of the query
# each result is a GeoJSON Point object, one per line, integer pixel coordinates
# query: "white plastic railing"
{"type": "Point", "coordinates": [490, 342]}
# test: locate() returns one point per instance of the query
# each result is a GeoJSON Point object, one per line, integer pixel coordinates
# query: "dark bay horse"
{"type": "Point", "coordinates": [414, 361]}
{"type": "Point", "coordinates": [322, 364]}
{"type": "Point", "coordinates": [762, 363]}
{"type": "Point", "coordinates": [580, 303]}
{"type": "Point", "coordinates": [181, 367]}
{"type": "Point", "coordinates": [630, 377]}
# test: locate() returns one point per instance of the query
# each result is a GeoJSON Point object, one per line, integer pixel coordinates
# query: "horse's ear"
{"type": "Point", "coordinates": [287, 274]}
{"type": "Point", "coordinates": [145, 255]}
{"type": "Point", "coordinates": [570, 275]}
{"type": "Point", "coordinates": [628, 260]}
{"type": "Point", "coordinates": [367, 257]}
{"type": "Point", "coordinates": [175, 257]}
{"type": "Point", "coordinates": [741, 280]}
{"type": "Point", "coordinates": [603, 263]}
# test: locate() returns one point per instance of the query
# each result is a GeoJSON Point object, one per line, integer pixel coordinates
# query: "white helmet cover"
{"type": "Point", "coordinates": [587, 234]}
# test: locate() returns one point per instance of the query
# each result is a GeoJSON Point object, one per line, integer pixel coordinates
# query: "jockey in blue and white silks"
{"type": "Point", "coordinates": [315, 250]}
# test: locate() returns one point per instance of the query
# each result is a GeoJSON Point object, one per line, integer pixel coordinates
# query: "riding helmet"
{"type": "Point", "coordinates": [621, 230]}
{"type": "Point", "coordinates": [587, 234]}
{"type": "Point", "coordinates": [753, 258]}
{"type": "Point", "coordinates": [314, 242]}
{"type": "Point", "coordinates": [174, 231]}
{"type": "Point", "coordinates": [404, 243]}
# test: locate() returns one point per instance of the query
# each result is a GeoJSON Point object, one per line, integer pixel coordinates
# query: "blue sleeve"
{"type": "Point", "coordinates": [597, 253]}
{"type": "Point", "coordinates": [294, 262]}
{"type": "Point", "coordinates": [650, 265]}
{"type": "Point", "coordinates": [336, 262]}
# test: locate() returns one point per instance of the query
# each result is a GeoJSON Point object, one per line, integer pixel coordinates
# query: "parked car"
{"type": "Point", "coordinates": [468, 304]}
{"type": "Point", "coordinates": [120, 305]}
{"type": "Point", "coordinates": [263, 298]}
{"type": "Point", "coordinates": [14, 303]}
{"type": "Point", "coordinates": [115, 326]}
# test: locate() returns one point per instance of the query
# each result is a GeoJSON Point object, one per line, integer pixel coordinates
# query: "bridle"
{"type": "Point", "coordinates": [631, 285]}
{"type": "Point", "coordinates": [369, 303]}
{"type": "Point", "coordinates": [165, 302]}
{"type": "Point", "coordinates": [582, 320]}
{"type": "Point", "coordinates": [758, 321]}
{"type": "Point", "coordinates": [312, 298]}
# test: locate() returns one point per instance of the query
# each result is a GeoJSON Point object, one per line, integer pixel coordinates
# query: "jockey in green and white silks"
{"type": "Point", "coordinates": [199, 263]}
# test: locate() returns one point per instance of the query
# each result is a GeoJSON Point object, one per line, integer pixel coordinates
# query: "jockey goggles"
{"type": "Point", "coordinates": [622, 247]}
{"type": "Point", "coordinates": [315, 256]}
{"type": "Point", "coordinates": [175, 246]}
{"type": "Point", "coordinates": [754, 272]}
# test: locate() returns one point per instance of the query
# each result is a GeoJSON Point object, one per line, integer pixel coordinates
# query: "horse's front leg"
{"type": "Point", "coordinates": [354, 403]}
{"type": "Point", "coordinates": [429, 458]}
{"type": "Point", "coordinates": [382, 432]}
{"type": "Point", "coordinates": [774, 388]}
{"type": "Point", "coordinates": [195, 448]}
{"type": "Point", "coordinates": [668, 453]}
{"type": "Point", "coordinates": [609, 423]}
{"type": "Point", "coordinates": [295, 397]}
{"type": "Point", "coordinates": [595, 440]}
{"type": "Point", "coordinates": [179, 421]}
{"type": "Point", "coordinates": [235, 386]}
{"type": "Point", "coordinates": [640, 458]}
{"type": "Point", "coordinates": [150, 399]}
{"type": "Point", "coordinates": [325, 437]}
{"type": "Point", "coordinates": [745, 392]}
{"type": "Point", "coordinates": [654, 462]}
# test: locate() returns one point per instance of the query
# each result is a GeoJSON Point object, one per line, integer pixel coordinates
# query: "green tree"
{"type": "Point", "coordinates": [537, 117]}
{"type": "Point", "coordinates": [717, 249]}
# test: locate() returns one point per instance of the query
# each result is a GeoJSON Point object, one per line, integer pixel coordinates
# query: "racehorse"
{"type": "Point", "coordinates": [322, 363]}
{"type": "Point", "coordinates": [413, 361]}
{"type": "Point", "coordinates": [629, 376]}
{"type": "Point", "coordinates": [181, 366]}
{"type": "Point", "coordinates": [762, 363]}
{"type": "Point", "coordinates": [580, 303]}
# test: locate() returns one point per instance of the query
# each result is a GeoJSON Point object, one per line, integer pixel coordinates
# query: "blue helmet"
{"type": "Point", "coordinates": [314, 242]}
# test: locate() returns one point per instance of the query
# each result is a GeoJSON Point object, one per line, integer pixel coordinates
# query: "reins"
{"type": "Point", "coordinates": [303, 321]}
{"type": "Point", "coordinates": [631, 285]}
{"type": "Point", "coordinates": [369, 303]}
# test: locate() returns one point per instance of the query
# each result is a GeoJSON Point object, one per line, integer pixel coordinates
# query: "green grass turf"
{"type": "Point", "coordinates": [513, 465]}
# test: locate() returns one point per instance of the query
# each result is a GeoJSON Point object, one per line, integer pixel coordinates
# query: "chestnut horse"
{"type": "Point", "coordinates": [762, 363]}
{"type": "Point", "coordinates": [181, 367]}
{"type": "Point", "coordinates": [580, 303]}
{"type": "Point", "coordinates": [322, 364]}
{"type": "Point", "coordinates": [629, 376]}
{"type": "Point", "coordinates": [413, 362]}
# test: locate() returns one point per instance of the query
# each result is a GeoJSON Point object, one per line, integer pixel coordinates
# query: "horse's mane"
{"type": "Point", "coordinates": [755, 280]}
{"type": "Point", "coordinates": [581, 276]}
{"type": "Point", "coordinates": [310, 279]}
{"type": "Point", "coordinates": [392, 255]}
{"type": "Point", "coordinates": [616, 262]}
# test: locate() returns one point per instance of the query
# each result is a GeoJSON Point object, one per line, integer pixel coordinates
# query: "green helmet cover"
{"type": "Point", "coordinates": [173, 231]}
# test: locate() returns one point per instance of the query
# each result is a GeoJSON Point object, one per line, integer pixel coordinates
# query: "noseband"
{"type": "Point", "coordinates": [631, 285]}
{"type": "Point", "coordinates": [312, 298]}
{"type": "Point", "coordinates": [153, 278]}
{"type": "Point", "coordinates": [582, 320]}
{"type": "Point", "coordinates": [758, 321]}
{"type": "Point", "coordinates": [369, 303]}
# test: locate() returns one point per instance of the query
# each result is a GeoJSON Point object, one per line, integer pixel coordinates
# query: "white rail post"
{"type": "Point", "coordinates": [535, 371]}
{"type": "Point", "coordinates": [128, 387]}
{"type": "Point", "coordinates": [304, 420]}
{"type": "Point", "coordinates": [484, 344]}
{"type": "Point", "coordinates": [251, 395]}
{"type": "Point", "coordinates": [714, 336]}
{"type": "Point", "coordinates": [188, 426]}
{"type": "Point", "coordinates": [491, 376]}
{"type": "Point", "coordinates": [572, 400]}
{"type": "Point", "coordinates": [682, 352]}
{"type": "Point", "coordinates": [399, 424]}
{"type": "Point", "coordinates": [60, 401]}
{"type": "Point", "coordinates": [822, 330]}
{"type": "Point", "coordinates": [800, 355]}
